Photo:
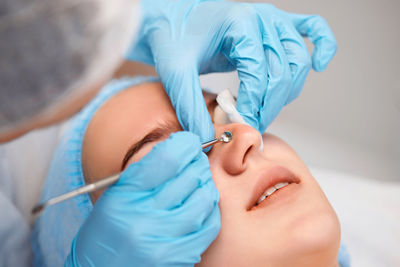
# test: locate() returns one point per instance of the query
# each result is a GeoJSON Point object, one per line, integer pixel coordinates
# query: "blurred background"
{"type": "Point", "coordinates": [346, 123]}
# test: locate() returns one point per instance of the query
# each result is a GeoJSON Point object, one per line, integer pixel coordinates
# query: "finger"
{"type": "Point", "coordinates": [181, 81]}
{"type": "Point", "coordinates": [197, 241]}
{"type": "Point", "coordinates": [297, 56]}
{"type": "Point", "coordinates": [139, 50]}
{"type": "Point", "coordinates": [320, 34]}
{"type": "Point", "coordinates": [244, 48]}
{"type": "Point", "coordinates": [175, 192]}
{"type": "Point", "coordinates": [165, 161]}
{"type": "Point", "coordinates": [191, 215]}
{"type": "Point", "coordinates": [279, 78]}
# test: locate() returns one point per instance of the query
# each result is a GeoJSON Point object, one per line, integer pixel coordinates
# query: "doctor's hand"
{"type": "Point", "coordinates": [162, 211]}
{"type": "Point", "coordinates": [183, 39]}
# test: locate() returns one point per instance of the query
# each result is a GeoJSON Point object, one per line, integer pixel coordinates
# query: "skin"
{"type": "Point", "coordinates": [295, 226]}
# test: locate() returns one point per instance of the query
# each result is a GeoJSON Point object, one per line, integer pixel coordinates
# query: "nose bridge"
{"type": "Point", "coordinates": [234, 155]}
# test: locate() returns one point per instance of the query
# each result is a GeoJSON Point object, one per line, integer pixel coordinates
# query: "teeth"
{"type": "Point", "coordinates": [270, 191]}
{"type": "Point", "coordinates": [261, 199]}
{"type": "Point", "coordinates": [280, 185]}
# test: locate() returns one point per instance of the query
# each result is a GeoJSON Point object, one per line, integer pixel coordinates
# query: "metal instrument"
{"type": "Point", "coordinates": [226, 137]}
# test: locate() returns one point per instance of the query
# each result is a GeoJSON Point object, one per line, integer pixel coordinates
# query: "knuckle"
{"type": "Point", "coordinates": [285, 77]}
{"type": "Point", "coordinates": [211, 192]}
{"type": "Point", "coordinates": [197, 223]}
{"type": "Point", "coordinates": [217, 224]}
{"type": "Point", "coordinates": [304, 62]}
{"type": "Point", "coordinates": [293, 96]}
{"type": "Point", "coordinates": [203, 159]}
{"type": "Point", "coordinates": [242, 12]}
{"type": "Point", "coordinates": [199, 170]}
{"type": "Point", "coordinates": [317, 20]}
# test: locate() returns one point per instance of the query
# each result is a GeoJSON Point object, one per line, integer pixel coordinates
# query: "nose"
{"type": "Point", "coordinates": [233, 156]}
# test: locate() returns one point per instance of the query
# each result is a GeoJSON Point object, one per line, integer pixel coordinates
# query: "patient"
{"type": "Point", "coordinates": [294, 226]}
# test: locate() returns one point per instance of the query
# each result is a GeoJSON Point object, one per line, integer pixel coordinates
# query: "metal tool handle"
{"type": "Point", "coordinates": [225, 137]}
{"type": "Point", "coordinates": [79, 191]}
{"type": "Point", "coordinates": [209, 143]}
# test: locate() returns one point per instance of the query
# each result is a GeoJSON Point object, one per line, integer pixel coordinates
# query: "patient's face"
{"type": "Point", "coordinates": [294, 226]}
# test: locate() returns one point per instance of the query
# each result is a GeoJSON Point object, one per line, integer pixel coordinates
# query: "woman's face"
{"type": "Point", "coordinates": [294, 226]}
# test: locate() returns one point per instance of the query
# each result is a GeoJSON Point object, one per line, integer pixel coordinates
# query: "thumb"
{"type": "Point", "coordinates": [318, 31]}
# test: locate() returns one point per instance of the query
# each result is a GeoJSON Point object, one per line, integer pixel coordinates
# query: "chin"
{"type": "Point", "coordinates": [316, 238]}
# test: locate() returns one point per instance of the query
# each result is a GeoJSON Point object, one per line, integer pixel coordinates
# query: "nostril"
{"type": "Point", "coordinates": [245, 154]}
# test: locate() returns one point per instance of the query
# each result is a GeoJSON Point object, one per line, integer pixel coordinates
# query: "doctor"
{"type": "Point", "coordinates": [55, 54]}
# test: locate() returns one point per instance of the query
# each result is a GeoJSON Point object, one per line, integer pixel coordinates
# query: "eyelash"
{"type": "Point", "coordinates": [146, 140]}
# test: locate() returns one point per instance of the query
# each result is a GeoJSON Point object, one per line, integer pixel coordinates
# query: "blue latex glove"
{"type": "Point", "coordinates": [183, 39]}
{"type": "Point", "coordinates": [162, 211]}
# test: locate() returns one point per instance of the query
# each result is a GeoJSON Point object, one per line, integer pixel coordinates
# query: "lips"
{"type": "Point", "coordinates": [268, 178]}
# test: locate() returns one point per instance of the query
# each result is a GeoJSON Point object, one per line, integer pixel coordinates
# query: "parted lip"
{"type": "Point", "coordinates": [270, 177]}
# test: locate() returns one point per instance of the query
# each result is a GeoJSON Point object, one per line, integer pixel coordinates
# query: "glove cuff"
{"type": "Point", "coordinates": [71, 259]}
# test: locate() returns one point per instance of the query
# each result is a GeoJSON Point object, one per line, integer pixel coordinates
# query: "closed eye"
{"type": "Point", "coordinates": [157, 134]}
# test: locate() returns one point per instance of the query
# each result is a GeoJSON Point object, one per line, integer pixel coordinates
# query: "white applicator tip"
{"type": "Point", "coordinates": [227, 103]}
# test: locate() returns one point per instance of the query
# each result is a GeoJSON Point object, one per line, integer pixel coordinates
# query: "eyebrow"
{"type": "Point", "coordinates": [163, 130]}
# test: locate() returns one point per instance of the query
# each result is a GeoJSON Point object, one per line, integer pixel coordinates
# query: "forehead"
{"type": "Point", "coordinates": [120, 122]}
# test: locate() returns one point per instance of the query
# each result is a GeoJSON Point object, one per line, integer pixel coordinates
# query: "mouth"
{"type": "Point", "coordinates": [272, 182]}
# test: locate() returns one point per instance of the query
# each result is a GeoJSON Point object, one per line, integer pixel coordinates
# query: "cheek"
{"type": "Point", "coordinates": [317, 228]}
{"type": "Point", "coordinates": [316, 237]}
{"type": "Point", "coordinates": [277, 151]}
{"type": "Point", "coordinates": [311, 230]}
{"type": "Point", "coordinates": [276, 148]}
{"type": "Point", "coordinates": [225, 186]}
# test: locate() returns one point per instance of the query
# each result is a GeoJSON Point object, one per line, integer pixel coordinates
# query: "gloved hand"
{"type": "Point", "coordinates": [183, 39]}
{"type": "Point", "coordinates": [162, 211]}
